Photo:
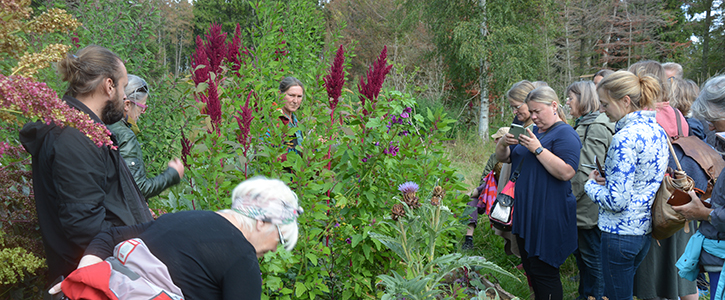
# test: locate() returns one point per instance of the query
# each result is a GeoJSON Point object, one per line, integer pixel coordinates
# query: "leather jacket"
{"type": "Point", "coordinates": [131, 152]}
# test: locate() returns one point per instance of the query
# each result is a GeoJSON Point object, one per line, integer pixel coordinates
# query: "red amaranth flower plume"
{"type": "Point", "coordinates": [376, 75]}
{"type": "Point", "coordinates": [185, 148]}
{"type": "Point", "coordinates": [199, 58]}
{"type": "Point", "coordinates": [35, 100]}
{"type": "Point", "coordinates": [335, 80]}
{"type": "Point", "coordinates": [233, 55]}
{"type": "Point", "coordinates": [244, 120]}
{"type": "Point", "coordinates": [213, 106]}
{"type": "Point", "coordinates": [216, 47]}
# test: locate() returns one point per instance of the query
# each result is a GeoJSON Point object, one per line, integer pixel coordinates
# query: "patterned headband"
{"type": "Point", "coordinates": [275, 212]}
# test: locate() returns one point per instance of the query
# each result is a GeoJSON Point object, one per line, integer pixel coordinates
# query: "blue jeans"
{"type": "Point", "coordinates": [621, 256]}
{"type": "Point", "coordinates": [714, 279]}
{"type": "Point", "coordinates": [591, 282]}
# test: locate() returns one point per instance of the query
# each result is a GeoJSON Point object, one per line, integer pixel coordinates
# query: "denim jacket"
{"type": "Point", "coordinates": [634, 168]}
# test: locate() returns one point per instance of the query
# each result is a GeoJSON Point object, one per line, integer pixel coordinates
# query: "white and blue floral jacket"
{"type": "Point", "coordinates": [635, 166]}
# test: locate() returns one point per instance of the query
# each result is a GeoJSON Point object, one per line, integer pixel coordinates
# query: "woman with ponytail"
{"type": "Point", "coordinates": [634, 168]}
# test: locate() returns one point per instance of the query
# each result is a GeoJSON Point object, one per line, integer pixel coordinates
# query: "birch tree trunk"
{"type": "Point", "coordinates": [483, 83]}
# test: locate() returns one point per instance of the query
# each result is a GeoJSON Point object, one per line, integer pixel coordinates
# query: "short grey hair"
{"type": "Point", "coordinates": [586, 93]}
{"type": "Point", "coordinates": [268, 190]}
{"type": "Point", "coordinates": [289, 82]}
{"type": "Point", "coordinates": [136, 89]}
{"type": "Point", "coordinates": [710, 104]}
{"type": "Point", "coordinates": [671, 66]}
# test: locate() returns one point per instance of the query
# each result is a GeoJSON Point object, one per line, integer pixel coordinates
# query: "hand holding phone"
{"type": "Point", "coordinates": [516, 130]}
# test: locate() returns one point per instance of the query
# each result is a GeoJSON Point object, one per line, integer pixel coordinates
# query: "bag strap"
{"type": "Point", "coordinates": [674, 155]}
{"type": "Point", "coordinates": [516, 173]}
{"type": "Point", "coordinates": [679, 123]}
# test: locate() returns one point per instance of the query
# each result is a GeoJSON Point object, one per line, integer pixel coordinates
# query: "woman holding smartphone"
{"type": "Point", "coordinates": [544, 220]}
{"type": "Point", "coordinates": [634, 169]}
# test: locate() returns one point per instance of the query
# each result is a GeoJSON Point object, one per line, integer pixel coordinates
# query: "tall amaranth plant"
{"type": "Point", "coordinates": [375, 77]}
{"type": "Point", "coordinates": [334, 81]}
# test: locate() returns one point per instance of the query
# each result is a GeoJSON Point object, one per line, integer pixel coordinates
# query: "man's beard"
{"type": "Point", "coordinates": [112, 112]}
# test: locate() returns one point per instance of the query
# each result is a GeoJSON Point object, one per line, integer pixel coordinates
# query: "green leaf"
{"type": "Point", "coordinates": [300, 289]}
{"type": "Point", "coordinates": [356, 239]}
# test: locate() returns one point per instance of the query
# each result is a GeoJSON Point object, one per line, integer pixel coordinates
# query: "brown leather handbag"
{"type": "Point", "coordinates": [673, 191]}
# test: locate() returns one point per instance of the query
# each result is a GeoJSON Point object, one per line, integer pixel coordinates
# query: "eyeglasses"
{"type": "Point", "coordinates": [281, 238]}
{"type": "Point", "coordinates": [517, 107]}
{"type": "Point", "coordinates": [143, 107]}
{"type": "Point", "coordinates": [144, 89]}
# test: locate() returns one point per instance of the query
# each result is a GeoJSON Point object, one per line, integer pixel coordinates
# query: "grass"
{"type": "Point", "coordinates": [469, 156]}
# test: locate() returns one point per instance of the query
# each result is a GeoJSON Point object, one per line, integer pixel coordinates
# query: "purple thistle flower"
{"type": "Point", "coordinates": [408, 187]}
{"type": "Point", "coordinates": [335, 80]}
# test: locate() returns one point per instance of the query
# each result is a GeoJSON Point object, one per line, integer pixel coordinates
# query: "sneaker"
{"type": "Point", "coordinates": [468, 243]}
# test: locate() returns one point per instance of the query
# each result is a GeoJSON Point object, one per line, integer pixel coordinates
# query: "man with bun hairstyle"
{"type": "Point", "coordinates": [82, 189]}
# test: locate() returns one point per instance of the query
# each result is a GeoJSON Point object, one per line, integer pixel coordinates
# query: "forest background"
{"type": "Point", "coordinates": [450, 62]}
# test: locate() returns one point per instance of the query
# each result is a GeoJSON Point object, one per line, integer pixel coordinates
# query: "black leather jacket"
{"type": "Point", "coordinates": [131, 152]}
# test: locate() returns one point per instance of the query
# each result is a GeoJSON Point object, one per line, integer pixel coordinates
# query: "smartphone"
{"type": "Point", "coordinates": [599, 167]}
{"type": "Point", "coordinates": [721, 136]}
{"type": "Point", "coordinates": [516, 130]}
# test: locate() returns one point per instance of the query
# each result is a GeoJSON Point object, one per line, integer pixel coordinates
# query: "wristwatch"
{"type": "Point", "coordinates": [538, 151]}
{"type": "Point", "coordinates": [709, 218]}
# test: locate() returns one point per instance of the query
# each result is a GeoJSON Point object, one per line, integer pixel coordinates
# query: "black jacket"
{"type": "Point", "coordinates": [131, 152]}
{"type": "Point", "coordinates": [80, 189]}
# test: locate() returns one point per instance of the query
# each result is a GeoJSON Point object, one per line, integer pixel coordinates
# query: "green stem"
{"type": "Point", "coordinates": [405, 244]}
{"type": "Point", "coordinates": [434, 237]}
{"type": "Point", "coordinates": [10, 110]}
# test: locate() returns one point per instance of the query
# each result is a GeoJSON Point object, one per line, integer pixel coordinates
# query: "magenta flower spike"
{"type": "Point", "coordinates": [335, 81]}
{"type": "Point", "coordinates": [375, 76]}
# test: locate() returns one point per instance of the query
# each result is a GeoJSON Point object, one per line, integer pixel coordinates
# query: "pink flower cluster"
{"type": "Point", "coordinates": [376, 75]}
{"type": "Point", "coordinates": [335, 80]}
{"type": "Point", "coordinates": [35, 100]}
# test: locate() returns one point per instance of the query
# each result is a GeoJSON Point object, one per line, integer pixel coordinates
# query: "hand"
{"type": "Point", "coordinates": [597, 177]}
{"type": "Point", "coordinates": [694, 210]}
{"type": "Point", "coordinates": [177, 165]}
{"type": "Point", "coordinates": [87, 260]}
{"type": "Point", "coordinates": [529, 141]}
{"type": "Point", "coordinates": [509, 139]}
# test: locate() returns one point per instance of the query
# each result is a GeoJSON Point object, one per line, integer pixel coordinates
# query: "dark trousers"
{"type": "Point", "coordinates": [544, 277]}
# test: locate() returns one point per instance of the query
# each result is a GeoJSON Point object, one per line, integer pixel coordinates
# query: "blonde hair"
{"type": "Point", "coordinates": [682, 93]}
{"type": "Point", "coordinates": [586, 93]}
{"type": "Point", "coordinates": [642, 89]}
{"type": "Point", "coordinates": [654, 69]}
{"type": "Point", "coordinates": [85, 70]}
{"type": "Point", "coordinates": [519, 90]}
{"type": "Point", "coordinates": [545, 95]}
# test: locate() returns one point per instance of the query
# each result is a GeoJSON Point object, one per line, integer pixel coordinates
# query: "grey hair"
{"type": "Point", "coordinates": [710, 104]}
{"type": "Point", "coordinates": [679, 73]}
{"type": "Point", "coordinates": [289, 82]}
{"type": "Point", "coordinates": [603, 73]}
{"type": "Point", "coordinates": [586, 93]}
{"type": "Point", "coordinates": [270, 190]}
{"type": "Point", "coordinates": [134, 91]}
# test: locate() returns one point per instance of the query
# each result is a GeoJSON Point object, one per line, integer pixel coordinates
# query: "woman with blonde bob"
{"type": "Point", "coordinates": [212, 255]}
{"type": "Point", "coordinates": [595, 132]}
{"type": "Point", "coordinates": [634, 168]}
{"type": "Point", "coordinates": [516, 96]}
{"type": "Point", "coordinates": [544, 220]}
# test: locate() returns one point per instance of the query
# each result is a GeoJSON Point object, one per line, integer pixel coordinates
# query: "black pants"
{"type": "Point", "coordinates": [544, 277]}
